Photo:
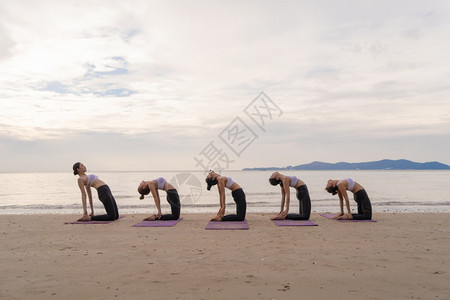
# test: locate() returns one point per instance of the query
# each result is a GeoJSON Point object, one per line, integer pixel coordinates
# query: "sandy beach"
{"type": "Point", "coordinates": [402, 256]}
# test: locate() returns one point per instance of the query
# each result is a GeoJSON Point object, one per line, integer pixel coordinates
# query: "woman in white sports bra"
{"type": "Point", "coordinates": [85, 182]}
{"type": "Point", "coordinates": [236, 191]}
{"type": "Point", "coordinates": [304, 205]}
{"type": "Point", "coordinates": [145, 187]}
{"type": "Point", "coordinates": [341, 187]}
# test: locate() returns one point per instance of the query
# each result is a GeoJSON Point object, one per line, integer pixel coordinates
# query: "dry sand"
{"type": "Point", "coordinates": [402, 256]}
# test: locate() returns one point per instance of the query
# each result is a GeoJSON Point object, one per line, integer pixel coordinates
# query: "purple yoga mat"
{"type": "Point", "coordinates": [231, 225]}
{"type": "Point", "coordinates": [294, 223]}
{"type": "Point", "coordinates": [157, 223]}
{"type": "Point", "coordinates": [94, 222]}
{"type": "Point", "coordinates": [330, 216]}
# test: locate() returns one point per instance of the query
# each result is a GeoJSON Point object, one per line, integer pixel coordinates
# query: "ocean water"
{"type": "Point", "coordinates": [389, 191]}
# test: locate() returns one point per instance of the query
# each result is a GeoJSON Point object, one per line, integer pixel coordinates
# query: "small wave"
{"type": "Point", "coordinates": [319, 205]}
{"type": "Point", "coordinates": [40, 206]}
{"type": "Point", "coordinates": [261, 194]}
{"type": "Point", "coordinates": [410, 203]}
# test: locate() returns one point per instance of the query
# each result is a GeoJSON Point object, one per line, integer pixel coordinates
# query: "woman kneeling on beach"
{"type": "Point", "coordinates": [85, 182]}
{"type": "Point", "coordinates": [237, 193]}
{"type": "Point", "coordinates": [302, 195]}
{"type": "Point", "coordinates": [145, 187]}
{"type": "Point", "coordinates": [341, 187]}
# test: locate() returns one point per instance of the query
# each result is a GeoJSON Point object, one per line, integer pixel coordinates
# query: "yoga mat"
{"type": "Point", "coordinates": [232, 225]}
{"type": "Point", "coordinates": [157, 223]}
{"type": "Point", "coordinates": [294, 223]}
{"type": "Point", "coordinates": [330, 216]}
{"type": "Point", "coordinates": [95, 222]}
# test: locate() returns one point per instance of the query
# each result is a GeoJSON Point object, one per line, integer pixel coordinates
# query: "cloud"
{"type": "Point", "coordinates": [349, 74]}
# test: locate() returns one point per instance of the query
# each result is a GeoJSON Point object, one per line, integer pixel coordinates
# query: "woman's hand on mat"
{"type": "Point", "coordinates": [84, 218]}
{"type": "Point", "coordinates": [275, 218]}
{"type": "Point", "coordinates": [337, 216]}
{"type": "Point", "coordinates": [92, 213]}
{"type": "Point", "coordinates": [158, 216]}
{"type": "Point", "coordinates": [346, 217]}
{"type": "Point", "coordinates": [281, 216]}
{"type": "Point", "coordinates": [151, 218]}
{"type": "Point", "coordinates": [217, 218]}
{"type": "Point", "coordinates": [219, 215]}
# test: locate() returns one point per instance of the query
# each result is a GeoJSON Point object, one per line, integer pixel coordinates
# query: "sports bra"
{"type": "Point", "coordinates": [229, 182]}
{"type": "Point", "coordinates": [351, 184]}
{"type": "Point", "coordinates": [91, 178]}
{"type": "Point", "coordinates": [294, 181]}
{"type": "Point", "coordinates": [161, 182]}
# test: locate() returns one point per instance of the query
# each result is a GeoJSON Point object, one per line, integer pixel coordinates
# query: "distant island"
{"type": "Point", "coordinates": [385, 164]}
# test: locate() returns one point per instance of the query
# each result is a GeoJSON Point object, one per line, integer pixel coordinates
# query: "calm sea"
{"type": "Point", "coordinates": [389, 191]}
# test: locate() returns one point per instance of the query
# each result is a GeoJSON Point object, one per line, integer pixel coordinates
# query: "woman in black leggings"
{"type": "Point", "coordinates": [145, 187]}
{"type": "Point", "coordinates": [85, 182]}
{"type": "Point", "coordinates": [302, 195]}
{"type": "Point", "coordinates": [341, 187]}
{"type": "Point", "coordinates": [236, 191]}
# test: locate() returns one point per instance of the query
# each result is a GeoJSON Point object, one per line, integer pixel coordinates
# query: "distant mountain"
{"type": "Point", "coordinates": [385, 164]}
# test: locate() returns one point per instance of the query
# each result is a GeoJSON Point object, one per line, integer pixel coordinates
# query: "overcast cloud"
{"type": "Point", "coordinates": [147, 85]}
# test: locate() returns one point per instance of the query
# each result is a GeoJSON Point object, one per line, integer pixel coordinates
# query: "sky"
{"type": "Point", "coordinates": [193, 85]}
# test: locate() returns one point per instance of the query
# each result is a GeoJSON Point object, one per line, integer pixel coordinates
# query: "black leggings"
{"type": "Point", "coordinates": [175, 205]}
{"type": "Point", "coordinates": [241, 206]}
{"type": "Point", "coordinates": [364, 206]}
{"type": "Point", "coordinates": [304, 205]}
{"type": "Point", "coordinates": [105, 195]}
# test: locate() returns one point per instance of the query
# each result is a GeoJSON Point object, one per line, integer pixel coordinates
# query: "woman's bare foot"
{"type": "Point", "coordinates": [85, 219]}
{"type": "Point", "coordinates": [217, 219]}
{"type": "Point", "coordinates": [151, 218]}
{"type": "Point", "coordinates": [337, 216]}
{"type": "Point", "coordinates": [280, 216]}
{"type": "Point", "coordinates": [346, 217]}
